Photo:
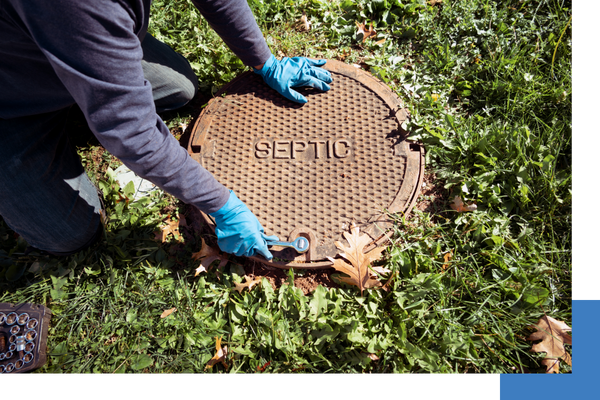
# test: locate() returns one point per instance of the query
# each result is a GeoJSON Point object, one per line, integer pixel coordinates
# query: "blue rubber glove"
{"type": "Point", "coordinates": [238, 231]}
{"type": "Point", "coordinates": [294, 72]}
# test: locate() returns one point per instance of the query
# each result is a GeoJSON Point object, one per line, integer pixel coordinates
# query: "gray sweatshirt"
{"type": "Point", "coordinates": [57, 53]}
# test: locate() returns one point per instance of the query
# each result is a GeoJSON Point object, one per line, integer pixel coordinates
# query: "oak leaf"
{"type": "Point", "coordinates": [249, 284]}
{"type": "Point", "coordinates": [172, 227]}
{"type": "Point", "coordinates": [363, 32]}
{"type": "Point", "coordinates": [304, 22]}
{"type": "Point", "coordinates": [219, 356]}
{"type": "Point", "coordinates": [166, 313]}
{"type": "Point", "coordinates": [459, 206]}
{"type": "Point", "coordinates": [207, 255]}
{"type": "Point", "coordinates": [553, 335]}
{"type": "Point", "coordinates": [359, 273]}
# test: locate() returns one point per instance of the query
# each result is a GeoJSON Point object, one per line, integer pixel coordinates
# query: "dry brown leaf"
{"type": "Point", "coordinates": [207, 255]}
{"type": "Point", "coordinates": [382, 41]}
{"type": "Point", "coordinates": [262, 369]}
{"type": "Point", "coordinates": [172, 227]}
{"type": "Point", "coordinates": [363, 32]}
{"type": "Point", "coordinates": [304, 22]}
{"type": "Point", "coordinates": [219, 356]}
{"type": "Point", "coordinates": [166, 313]}
{"type": "Point", "coordinates": [447, 258]}
{"type": "Point", "coordinates": [380, 270]}
{"type": "Point", "coordinates": [249, 284]}
{"type": "Point", "coordinates": [459, 206]}
{"type": "Point", "coordinates": [553, 335]}
{"type": "Point", "coordinates": [200, 270]}
{"type": "Point", "coordinates": [359, 272]}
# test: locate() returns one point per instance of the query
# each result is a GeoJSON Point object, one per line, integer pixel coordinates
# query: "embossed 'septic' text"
{"type": "Point", "coordinates": [302, 149]}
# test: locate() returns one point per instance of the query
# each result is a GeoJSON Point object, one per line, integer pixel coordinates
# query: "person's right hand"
{"type": "Point", "coordinates": [294, 72]}
{"type": "Point", "coordinates": [238, 230]}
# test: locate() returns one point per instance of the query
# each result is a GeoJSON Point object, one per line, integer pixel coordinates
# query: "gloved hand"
{"type": "Point", "coordinates": [238, 231]}
{"type": "Point", "coordinates": [294, 72]}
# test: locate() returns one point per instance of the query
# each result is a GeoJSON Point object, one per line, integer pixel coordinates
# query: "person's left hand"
{"type": "Point", "coordinates": [294, 72]}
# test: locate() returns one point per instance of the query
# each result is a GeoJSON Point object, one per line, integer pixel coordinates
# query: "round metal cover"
{"type": "Point", "coordinates": [311, 170]}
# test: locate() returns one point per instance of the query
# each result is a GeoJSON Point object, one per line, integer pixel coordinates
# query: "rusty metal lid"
{"type": "Point", "coordinates": [311, 170]}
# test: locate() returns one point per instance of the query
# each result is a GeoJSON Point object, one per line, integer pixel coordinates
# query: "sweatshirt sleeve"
{"type": "Point", "coordinates": [94, 49]}
{"type": "Point", "coordinates": [235, 24]}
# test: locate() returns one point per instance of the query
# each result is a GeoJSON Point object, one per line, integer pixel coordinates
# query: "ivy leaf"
{"type": "Point", "coordinates": [359, 272]}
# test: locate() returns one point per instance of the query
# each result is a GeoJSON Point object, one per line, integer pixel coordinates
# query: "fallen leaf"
{"type": "Point", "coordinates": [447, 258]}
{"type": "Point", "coordinates": [219, 357]}
{"type": "Point", "coordinates": [262, 369]}
{"type": "Point", "coordinates": [359, 272]}
{"type": "Point", "coordinates": [249, 283]}
{"type": "Point", "coordinates": [382, 41]}
{"type": "Point", "coordinates": [172, 227]}
{"type": "Point", "coordinates": [553, 335]}
{"type": "Point", "coordinates": [381, 270]}
{"type": "Point", "coordinates": [200, 270]}
{"type": "Point", "coordinates": [459, 206]}
{"type": "Point", "coordinates": [304, 22]}
{"type": "Point", "coordinates": [166, 313]}
{"type": "Point", "coordinates": [343, 54]}
{"type": "Point", "coordinates": [207, 255]}
{"type": "Point", "coordinates": [363, 32]}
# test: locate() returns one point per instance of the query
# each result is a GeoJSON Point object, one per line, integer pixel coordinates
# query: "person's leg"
{"type": "Point", "coordinates": [172, 79]}
{"type": "Point", "coordinates": [45, 194]}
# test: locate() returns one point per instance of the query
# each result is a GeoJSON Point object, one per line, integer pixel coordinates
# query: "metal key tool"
{"type": "Point", "coordinates": [300, 244]}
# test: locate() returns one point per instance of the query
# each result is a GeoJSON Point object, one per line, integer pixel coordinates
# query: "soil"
{"type": "Point", "coordinates": [433, 198]}
{"type": "Point", "coordinates": [305, 280]}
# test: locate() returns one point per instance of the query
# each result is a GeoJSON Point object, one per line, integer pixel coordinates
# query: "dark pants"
{"type": "Point", "coordinates": [45, 195]}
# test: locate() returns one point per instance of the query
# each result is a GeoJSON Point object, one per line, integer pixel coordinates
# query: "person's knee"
{"type": "Point", "coordinates": [82, 242]}
{"type": "Point", "coordinates": [171, 76]}
{"type": "Point", "coordinates": [187, 90]}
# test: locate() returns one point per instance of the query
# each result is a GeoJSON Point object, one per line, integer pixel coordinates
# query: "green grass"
{"type": "Point", "coordinates": [488, 87]}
